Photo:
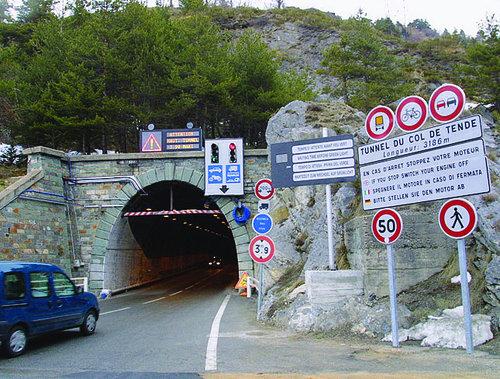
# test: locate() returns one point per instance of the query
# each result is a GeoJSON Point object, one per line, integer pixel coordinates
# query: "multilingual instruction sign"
{"type": "Point", "coordinates": [452, 171]}
{"type": "Point", "coordinates": [311, 162]}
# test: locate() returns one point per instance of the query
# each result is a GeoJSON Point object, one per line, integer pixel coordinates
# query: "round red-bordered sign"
{"type": "Point", "coordinates": [379, 122]}
{"type": "Point", "coordinates": [264, 189]}
{"type": "Point", "coordinates": [261, 249]}
{"type": "Point", "coordinates": [411, 113]}
{"type": "Point", "coordinates": [387, 226]}
{"type": "Point", "coordinates": [457, 218]}
{"type": "Point", "coordinates": [447, 103]}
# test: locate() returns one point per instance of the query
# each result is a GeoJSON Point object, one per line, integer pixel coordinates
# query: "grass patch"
{"type": "Point", "coordinates": [9, 174]}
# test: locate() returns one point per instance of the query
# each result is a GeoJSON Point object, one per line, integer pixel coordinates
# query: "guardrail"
{"type": "Point", "coordinates": [82, 281]}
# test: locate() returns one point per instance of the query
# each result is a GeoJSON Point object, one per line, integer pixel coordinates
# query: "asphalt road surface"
{"type": "Point", "coordinates": [195, 325]}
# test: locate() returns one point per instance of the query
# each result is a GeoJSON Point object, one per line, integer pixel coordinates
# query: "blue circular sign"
{"type": "Point", "coordinates": [262, 223]}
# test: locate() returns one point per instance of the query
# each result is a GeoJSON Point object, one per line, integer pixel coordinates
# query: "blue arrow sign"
{"type": "Point", "coordinates": [262, 223]}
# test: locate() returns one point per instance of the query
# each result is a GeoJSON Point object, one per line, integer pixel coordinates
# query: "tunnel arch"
{"type": "Point", "coordinates": [111, 222]}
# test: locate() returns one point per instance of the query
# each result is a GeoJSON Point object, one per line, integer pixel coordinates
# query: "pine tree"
{"type": "Point", "coordinates": [5, 11]}
{"type": "Point", "coordinates": [35, 10]}
{"type": "Point", "coordinates": [11, 156]}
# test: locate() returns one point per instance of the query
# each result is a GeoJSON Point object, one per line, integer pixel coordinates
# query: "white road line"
{"type": "Point", "coordinates": [116, 310]}
{"type": "Point", "coordinates": [175, 293]}
{"type": "Point", "coordinates": [152, 301]}
{"type": "Point", "coordinates": [211, 357]}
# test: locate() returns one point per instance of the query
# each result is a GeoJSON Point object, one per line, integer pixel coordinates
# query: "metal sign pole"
{"type": "Point", "coordinates": [392, 295]}
{"type": "Point", "coordinates": [261, 286]}
{"type": "Point", "coordinates": [464, 285]}
{"type": "Point", "coordinates": [331, 257]}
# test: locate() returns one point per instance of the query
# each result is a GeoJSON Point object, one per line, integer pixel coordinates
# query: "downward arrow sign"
{"type": "Point", "coordinates": [224, 188]}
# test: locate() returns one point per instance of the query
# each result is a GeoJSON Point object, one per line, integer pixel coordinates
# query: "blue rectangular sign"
{"type": "Point", "coordinates": [312, 162]}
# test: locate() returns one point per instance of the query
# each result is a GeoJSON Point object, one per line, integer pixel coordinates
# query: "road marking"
{"type": "Point", "coordinates": [211, 357]}
{"type": "Point", "coordinates": [116, 310]}
{"type": "Point", "coordinates": [152, 301]}
{"type": "Point", "coordinates": [175, 293]}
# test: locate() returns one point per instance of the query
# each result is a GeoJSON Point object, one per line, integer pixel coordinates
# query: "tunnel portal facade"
{"type": "Point", "coordinates": [69, 211]}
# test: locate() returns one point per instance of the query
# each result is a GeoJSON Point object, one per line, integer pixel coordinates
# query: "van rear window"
{"type": "Point", "coordinates": [39, 284]}
{"type": "Point", "coordinates": [14, 285]}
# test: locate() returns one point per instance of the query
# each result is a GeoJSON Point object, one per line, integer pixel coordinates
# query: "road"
{"type": "Point", "coordinates": [166, 330]}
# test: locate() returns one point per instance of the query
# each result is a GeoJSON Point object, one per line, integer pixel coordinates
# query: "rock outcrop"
{"type": "Point", "coordinates": [422, 252]}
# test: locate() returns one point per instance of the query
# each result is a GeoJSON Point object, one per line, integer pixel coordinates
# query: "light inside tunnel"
{"type": "Point", "coordinates": [181, 234]}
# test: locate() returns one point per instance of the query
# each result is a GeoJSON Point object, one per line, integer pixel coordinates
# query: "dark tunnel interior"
{"type": "Point", "coordinates": [174, 235]}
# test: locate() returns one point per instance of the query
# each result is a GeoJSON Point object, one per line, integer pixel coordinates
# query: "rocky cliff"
{"type": "Point", "coordinates": [425, 259]}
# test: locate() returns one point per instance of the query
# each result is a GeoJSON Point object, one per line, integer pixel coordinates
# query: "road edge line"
{"type": "Point", "coordinates": [211, 356]}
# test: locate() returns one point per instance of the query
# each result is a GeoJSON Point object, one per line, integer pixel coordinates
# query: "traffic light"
{"type": "Point", "coordinates": [214, 158]}
{"type": "Point", "coordinates": [232, 153]}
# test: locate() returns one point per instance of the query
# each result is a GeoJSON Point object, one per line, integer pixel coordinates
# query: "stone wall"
{"type": "Point", "coordinates": [34, 231]}
{"type": "Point", "coordinates": [81, 232]}
{"type": "Point", "coordinates": [421, 251]}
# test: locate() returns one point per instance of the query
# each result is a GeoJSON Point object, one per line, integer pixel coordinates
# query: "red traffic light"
{"type": "Point", "coordinates": [232, 146]}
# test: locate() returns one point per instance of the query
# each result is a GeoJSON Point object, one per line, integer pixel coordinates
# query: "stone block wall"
{"type": "Point", "coordinates": [421, 251]}
{"type": "Point", "coordinates": [55, 233]}
{"type": "Point", "coordinates": [32, 230]}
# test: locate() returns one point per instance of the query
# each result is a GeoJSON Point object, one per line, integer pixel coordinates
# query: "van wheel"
{"type": "Point", "coordinates": [16, 341]}
{"type": "Point", "coordinates": [89, 323]}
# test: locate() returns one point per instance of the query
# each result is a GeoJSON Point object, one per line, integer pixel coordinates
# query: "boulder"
{"type": "Point", "coordinates": [448, 330]}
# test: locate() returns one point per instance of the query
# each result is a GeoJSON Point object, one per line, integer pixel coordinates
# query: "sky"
{"type": "Point", "coordinates": [441, 14]}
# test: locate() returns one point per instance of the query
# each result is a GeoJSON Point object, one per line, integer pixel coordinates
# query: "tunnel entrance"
{"type": "Point", "coordinates": [169, 228]}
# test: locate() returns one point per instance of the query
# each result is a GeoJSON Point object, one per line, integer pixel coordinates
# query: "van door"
{"type": "Point", "coordinates": [42, 303]}
{"type": "Point", "coordinates": [71, 305]}
{"type": "Point", "coordinates": [14, 302]}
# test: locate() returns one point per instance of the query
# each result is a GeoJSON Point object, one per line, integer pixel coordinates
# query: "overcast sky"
{"type": "Point", "coordinates": [441, 14]}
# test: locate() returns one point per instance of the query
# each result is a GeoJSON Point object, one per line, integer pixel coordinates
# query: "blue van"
{"type": "Point", "coordinates": [37, 298]}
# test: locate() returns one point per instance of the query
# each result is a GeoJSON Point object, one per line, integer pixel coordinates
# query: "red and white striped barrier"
{"type": "Point", "coordinates": [173, 212]}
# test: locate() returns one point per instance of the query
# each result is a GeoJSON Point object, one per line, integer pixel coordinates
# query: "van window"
{"type": "Point", "coordinates": [14, 285]}
{"type": "Point", "coordinates": [62, 285]}
{"type": "Point", "coordinates": [39, 284]}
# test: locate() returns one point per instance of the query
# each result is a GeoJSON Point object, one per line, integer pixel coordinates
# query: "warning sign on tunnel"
{"type": "Point", "coordinates": [150, 142]}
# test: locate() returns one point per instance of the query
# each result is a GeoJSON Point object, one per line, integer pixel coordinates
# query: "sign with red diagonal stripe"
{"type": "Point", "coordinates": [447, 103]}
{"type": "Point", "coordinates": [411, 113]}
{"type": "Point", "coordinates": [379, 122]}
{"type": "Point", "coordinates": [457, 218]}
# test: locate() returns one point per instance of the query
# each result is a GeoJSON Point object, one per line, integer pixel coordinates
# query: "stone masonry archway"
{"type": "Point", "coordinates": [111, 220]}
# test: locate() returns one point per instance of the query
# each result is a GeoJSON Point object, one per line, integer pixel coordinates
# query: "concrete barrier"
{"type": "Point", "coordinates": [326, 287]}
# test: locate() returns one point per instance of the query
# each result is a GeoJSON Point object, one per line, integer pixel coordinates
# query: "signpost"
{"type": "Point", "coordinates": [262, 223]}
{"type": "Point", "coordinates": [452, 171]}
{"type": "Point", "coordinates": [387, 226]}
{"type": "Point", "coordinates": [264, 189]}
{"type": "Point", "coordinates": [315, 162]}
{"type": "Point", "coordinates": [458, 219]}
{"type": "Point", "coordinates": [447, 103]}
{"type": "Point", "coordinates": [379, 122]}
{"type": "Point", "coordinates": [261, 251]}
{"type": "Point", "coordinates": [411, 113]}
{"type": "Point", "coordinates": [224, 167]}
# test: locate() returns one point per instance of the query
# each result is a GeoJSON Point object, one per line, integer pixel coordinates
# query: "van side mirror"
{"type": "Point", "coordinates": [79, 289]}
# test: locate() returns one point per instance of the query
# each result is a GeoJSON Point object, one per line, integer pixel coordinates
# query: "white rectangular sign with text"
{"type": "Point", "coordinates": [462, 130]}
{"type": "Point", "coordinates": [452, 171]}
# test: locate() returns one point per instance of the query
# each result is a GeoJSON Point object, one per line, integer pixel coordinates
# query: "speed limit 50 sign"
{"type": "Point", "coordinates": [387, 226]}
